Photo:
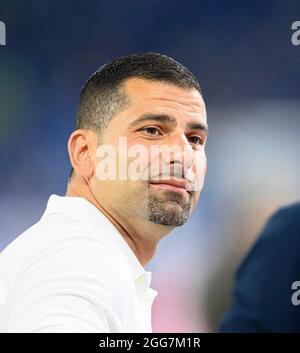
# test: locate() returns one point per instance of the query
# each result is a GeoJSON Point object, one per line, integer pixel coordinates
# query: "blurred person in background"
{"type": "Point", "coordinates": [81, 267]}
{"type": "Point", "coordinates": [266, 292]}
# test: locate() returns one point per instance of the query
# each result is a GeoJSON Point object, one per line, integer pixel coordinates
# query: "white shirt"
{"type": "Point", "coordinates": [73, 272]}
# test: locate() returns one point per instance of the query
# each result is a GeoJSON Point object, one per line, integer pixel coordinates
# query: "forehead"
{"type": "Point", "coordinates": [158, 97]}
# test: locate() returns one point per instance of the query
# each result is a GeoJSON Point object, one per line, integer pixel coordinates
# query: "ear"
{"type": "Point", "coordinates": [80, 148]}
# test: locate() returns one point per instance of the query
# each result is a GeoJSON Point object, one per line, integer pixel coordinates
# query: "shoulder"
{"type": "Point", "coordinates": [262, 292]}
{"type": "Point", "coordinates": [62, 237]}
{"type": "Point", "coordinates": [277, 248]}
{"type": "Point", "coordinates": [64, 250]}
{"type": "Point", "coordinates": [80, 250]}
{"type": "Point", "coordinates": [286, 218]}
{"type": "Point", "coordinates": [282, 229]}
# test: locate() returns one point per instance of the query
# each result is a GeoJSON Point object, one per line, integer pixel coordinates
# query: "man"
{"type": "Point", "coordinates": [267, 295]}
{"type": "Point", "coordinates": [81, 267]}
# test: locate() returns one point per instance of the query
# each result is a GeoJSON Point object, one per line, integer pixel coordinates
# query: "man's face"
{"type": "Point", "coordinates": [162, 134]}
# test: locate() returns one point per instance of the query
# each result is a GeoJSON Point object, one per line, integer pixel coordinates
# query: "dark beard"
{"type": "Point", "coordinates": [162, 211]}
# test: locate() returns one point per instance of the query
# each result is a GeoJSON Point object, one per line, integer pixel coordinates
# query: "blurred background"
{"type": "Point", "coordinates": [249, 70]}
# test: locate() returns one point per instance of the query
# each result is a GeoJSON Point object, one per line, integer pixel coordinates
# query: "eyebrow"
{"type": "Point", "coordinates": [164, 118]}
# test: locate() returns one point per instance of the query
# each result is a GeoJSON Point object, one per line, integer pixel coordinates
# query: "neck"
{"type": "Point", "coordinates": [142, 236]}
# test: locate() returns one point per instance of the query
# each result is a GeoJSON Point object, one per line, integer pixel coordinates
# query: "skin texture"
{"type": "Point", "coordinates": [142, 212]}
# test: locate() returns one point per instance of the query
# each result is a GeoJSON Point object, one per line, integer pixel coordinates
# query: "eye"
{"type": "Point", "coordinates": [196, 140]}
{"type": "Point", "coordinates": [151, 130]}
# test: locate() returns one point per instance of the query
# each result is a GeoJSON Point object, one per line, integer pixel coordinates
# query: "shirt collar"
{"type": "Point", "coordinates": [81, 209]}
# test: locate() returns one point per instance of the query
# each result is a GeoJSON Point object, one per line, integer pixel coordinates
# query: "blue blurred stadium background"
{"type": "Point", "coordinates": [242, 54]}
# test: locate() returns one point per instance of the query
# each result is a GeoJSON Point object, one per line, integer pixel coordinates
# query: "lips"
{"type": "Point", "coordinates": [179, 185]}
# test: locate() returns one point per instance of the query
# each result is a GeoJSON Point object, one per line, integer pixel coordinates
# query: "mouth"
{"type": "Point", "coordinates": [172, 185]}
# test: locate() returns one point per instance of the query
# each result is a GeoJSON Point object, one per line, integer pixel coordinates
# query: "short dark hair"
{"type": "Point", "coordinates": [102, 95]}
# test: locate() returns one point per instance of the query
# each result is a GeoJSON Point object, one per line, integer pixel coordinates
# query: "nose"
{"type": "Point", "coordinates": [182, 156]}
